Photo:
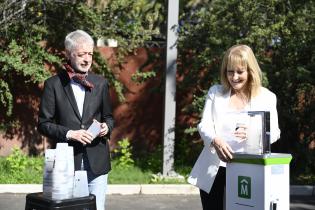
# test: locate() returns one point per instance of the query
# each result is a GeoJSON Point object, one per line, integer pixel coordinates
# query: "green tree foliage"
{"type": "Point", "coordinates": [131, 23]}
{"type": "Point", "coordinates": [281, 33]}
{"type": "Point", "coordinates": [32, 34]}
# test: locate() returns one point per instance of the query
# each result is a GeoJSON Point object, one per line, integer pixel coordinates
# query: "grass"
{"type": "Point", "coordinates": [29, 170]}
{"type": "Point", "coordinates": [32, 173]}
{"type": "Point", "coordinates": [128, 175]}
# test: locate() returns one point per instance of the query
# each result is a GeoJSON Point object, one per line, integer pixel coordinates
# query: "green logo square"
{"type": "Point", "coordinates": [244, 187]}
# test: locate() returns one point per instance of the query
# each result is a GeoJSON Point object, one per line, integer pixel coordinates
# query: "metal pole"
{"type": "Point", "coordinates": [170, 88]}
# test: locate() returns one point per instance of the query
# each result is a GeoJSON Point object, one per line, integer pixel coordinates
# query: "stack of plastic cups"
{"type": "Point", "coordinates": [48, 170]}
{"type": "Point", "coordinates": [70, 170]}
{"type": "Point", "coordinates": [60, 176]}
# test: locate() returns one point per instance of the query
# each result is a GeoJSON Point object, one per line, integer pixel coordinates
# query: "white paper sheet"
{"type": "Point", "coordinates": [95, 129]}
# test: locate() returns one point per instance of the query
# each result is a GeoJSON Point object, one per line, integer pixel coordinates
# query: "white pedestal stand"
{"type": "Point", "coordinates": [258, 182]}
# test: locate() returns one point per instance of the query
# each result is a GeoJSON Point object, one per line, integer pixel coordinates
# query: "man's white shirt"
{"type": "Point", "coordinates": [79, 94]}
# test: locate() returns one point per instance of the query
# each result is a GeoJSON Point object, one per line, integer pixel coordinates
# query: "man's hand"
{"type": "Point", "coordinates": [223, 150]}
{"type": "Point", "coordinates": [104, 129]}
{"type": "Point", "coordinates": [83, 136]}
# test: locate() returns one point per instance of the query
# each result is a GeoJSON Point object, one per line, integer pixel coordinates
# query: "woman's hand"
{"type": "Point", "coordinates": [223, 150]}
{"type": "Point", "coordinates": [240, 132]}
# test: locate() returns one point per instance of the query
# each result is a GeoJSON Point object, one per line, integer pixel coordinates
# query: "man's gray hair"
{"type": "Point", "coordinates": [77, 37]}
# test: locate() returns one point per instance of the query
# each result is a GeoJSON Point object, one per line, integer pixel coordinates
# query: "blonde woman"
{"type": "Point", "coordinates": [240, 90]}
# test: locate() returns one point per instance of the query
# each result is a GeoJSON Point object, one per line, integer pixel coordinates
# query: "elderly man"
{"type": "Point", "coordinates": [72, 100]}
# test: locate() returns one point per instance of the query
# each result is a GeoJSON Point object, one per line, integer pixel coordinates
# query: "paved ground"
{"type": "Point", "coordinates": [150, 202]}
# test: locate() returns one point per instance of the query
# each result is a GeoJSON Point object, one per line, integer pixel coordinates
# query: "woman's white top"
{"type": "Point", "coordinates": [214, 123]}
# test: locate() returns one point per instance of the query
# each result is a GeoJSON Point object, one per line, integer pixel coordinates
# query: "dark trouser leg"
{"type": "Point", "coordinates": [214, 200]}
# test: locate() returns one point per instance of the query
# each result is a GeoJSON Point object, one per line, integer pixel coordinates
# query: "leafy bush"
{"type": "Point", "coordinates": [17, 161]}
{"type": "Point", "coordinates": [150, 160]}
{"type": "Point", "coordinates": [18, 168]}
{"type": "Point", "coordinates": [123, 152]}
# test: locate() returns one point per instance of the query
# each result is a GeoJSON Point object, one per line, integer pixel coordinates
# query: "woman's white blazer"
{"type": "Point", "coordinates": [207, 164]}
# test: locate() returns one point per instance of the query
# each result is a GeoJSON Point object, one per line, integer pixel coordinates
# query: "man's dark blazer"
{"type": "Point", "coordinates": [59, 113]}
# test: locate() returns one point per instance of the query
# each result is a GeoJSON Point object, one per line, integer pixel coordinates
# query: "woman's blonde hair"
{"type": "Point", "coordinates": [242, 55]}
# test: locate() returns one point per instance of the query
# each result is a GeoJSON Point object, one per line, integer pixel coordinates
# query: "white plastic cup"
{"type": "Point", "coordinates": [81, 188]}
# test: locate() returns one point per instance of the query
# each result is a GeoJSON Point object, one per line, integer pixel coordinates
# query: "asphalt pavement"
{"type": "Point", "coordinates": [13, 201]}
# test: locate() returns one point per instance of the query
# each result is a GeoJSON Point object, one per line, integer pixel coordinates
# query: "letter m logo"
{"type": "Point", "coordinates": [244, 187]}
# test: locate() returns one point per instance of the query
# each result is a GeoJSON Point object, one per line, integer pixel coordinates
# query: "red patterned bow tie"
{"type": "Point", "coordinates": [79, 78]}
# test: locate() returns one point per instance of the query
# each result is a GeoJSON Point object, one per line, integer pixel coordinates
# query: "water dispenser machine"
{"type": "Point", "coordinates": [257, 179]}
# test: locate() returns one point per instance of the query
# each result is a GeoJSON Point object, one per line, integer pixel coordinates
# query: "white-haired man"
{"type": "Point", "coordinates": [71, 101]}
